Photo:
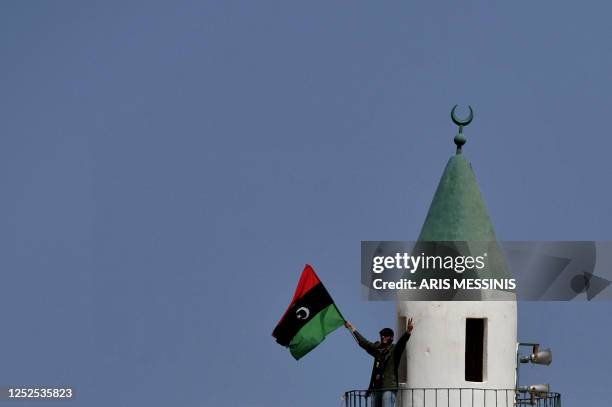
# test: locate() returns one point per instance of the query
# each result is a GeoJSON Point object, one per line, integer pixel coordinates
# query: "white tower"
{"type": "Point", "coordinates": [461, 352]}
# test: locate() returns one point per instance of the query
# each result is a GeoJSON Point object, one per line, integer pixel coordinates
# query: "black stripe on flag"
{"type": "Point", "coordinates": [304, 309]}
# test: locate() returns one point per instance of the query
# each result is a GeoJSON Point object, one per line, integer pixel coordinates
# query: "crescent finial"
{"type": "Point", "coordinates": [460, 139]}
{"type": "Point", "coordinates": [463, 122]}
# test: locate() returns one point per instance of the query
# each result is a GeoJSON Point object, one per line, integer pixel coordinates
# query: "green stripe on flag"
{"type": "Point", "coordinates": [315, 330]}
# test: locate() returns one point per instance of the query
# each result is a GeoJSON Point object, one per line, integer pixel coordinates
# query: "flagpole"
{"type": "Point", "coordinates": [344, 319]}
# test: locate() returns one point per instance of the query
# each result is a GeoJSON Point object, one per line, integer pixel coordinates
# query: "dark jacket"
{"type": "Point", "coordinates": [388, 358]}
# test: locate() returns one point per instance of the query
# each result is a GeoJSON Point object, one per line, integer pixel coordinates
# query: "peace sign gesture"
{"type": "Point", "coordinates": [409, 326]}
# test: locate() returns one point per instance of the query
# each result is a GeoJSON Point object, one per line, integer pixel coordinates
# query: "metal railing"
{"type": "Point", "coordinates": [539, 399]}
{"type": "Point", "coordinates": [453, 397]}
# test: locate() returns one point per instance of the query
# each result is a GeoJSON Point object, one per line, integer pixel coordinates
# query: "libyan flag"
{"type": "Point", "coordinates": [310, 317]}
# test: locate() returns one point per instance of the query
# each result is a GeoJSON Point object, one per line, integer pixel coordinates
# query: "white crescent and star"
{"type": "Point", "coordinates": [302, 313]}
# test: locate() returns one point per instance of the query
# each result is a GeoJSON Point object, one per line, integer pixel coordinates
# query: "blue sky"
{"type": "Point", "coordinates": [167, 169]}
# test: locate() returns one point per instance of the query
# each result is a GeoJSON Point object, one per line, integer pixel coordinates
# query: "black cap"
{"type": "Point", "coordinates": [386, 332]}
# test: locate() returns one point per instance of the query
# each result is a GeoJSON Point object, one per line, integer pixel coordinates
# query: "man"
{"type": "Point", "coordinates": [387, 356]}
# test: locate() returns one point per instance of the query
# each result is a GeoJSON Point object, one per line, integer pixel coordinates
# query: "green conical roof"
{"type": "Point", "coordinates": [458, 211]}
{"type": "Point", "coordinates": [458, 214]}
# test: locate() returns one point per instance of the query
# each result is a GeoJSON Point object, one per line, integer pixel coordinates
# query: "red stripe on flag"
{"type": "Point", "coordinates": [308, 279]}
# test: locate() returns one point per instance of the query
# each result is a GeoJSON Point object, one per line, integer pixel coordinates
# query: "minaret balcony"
{"type": "Point", "coordinates": [454, 397]}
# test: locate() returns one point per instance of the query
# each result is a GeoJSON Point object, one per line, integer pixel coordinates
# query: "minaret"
{"type": "Point", "coordinates": [460, 344]}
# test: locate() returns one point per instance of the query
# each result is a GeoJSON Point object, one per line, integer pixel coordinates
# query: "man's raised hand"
{"type": "Point", "coordinates": [409, 326]}
{"type": "Point", "coordinates": [349, 326]}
